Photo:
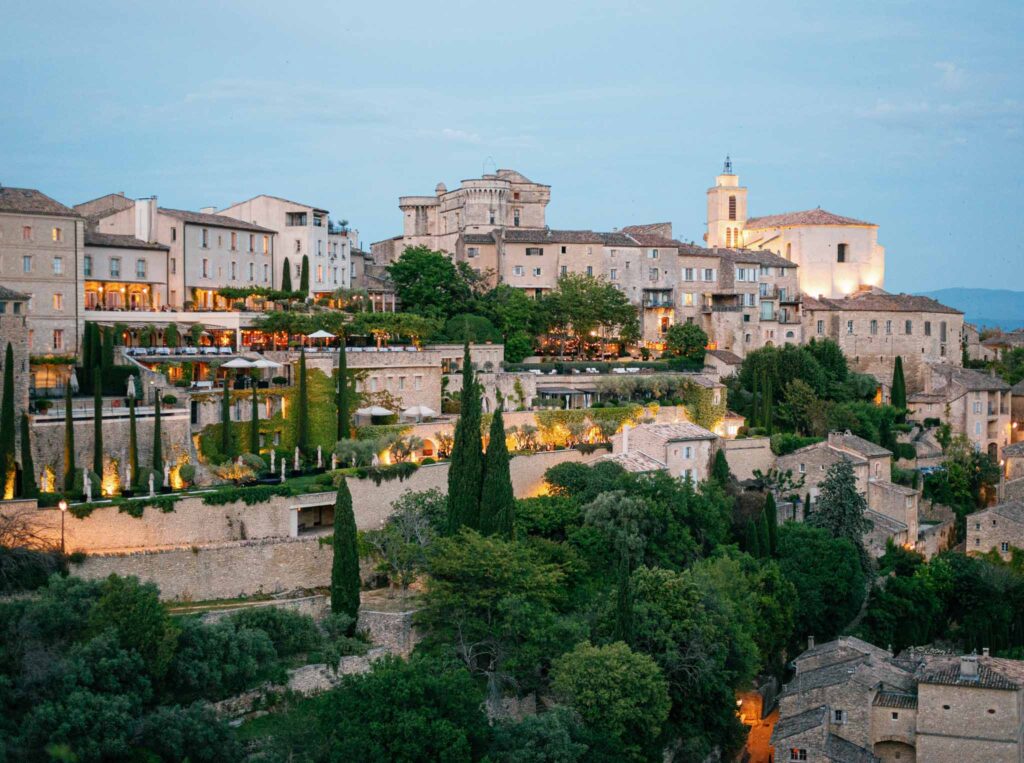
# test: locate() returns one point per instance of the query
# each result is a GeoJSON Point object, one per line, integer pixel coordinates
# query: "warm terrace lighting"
{"type": "Point", "coordinates": [62, 505]}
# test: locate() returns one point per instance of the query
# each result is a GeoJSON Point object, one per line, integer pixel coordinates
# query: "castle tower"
{"type": "Point", "coordinates": [727, 209]}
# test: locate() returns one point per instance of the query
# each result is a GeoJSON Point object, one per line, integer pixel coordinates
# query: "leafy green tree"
{"type": "Point", "coordinates": [345, 581]}
{"type": "Point", "coordinates": [465, 474]}
{"type": "Point", "coordinates": [302, 415]}
{"type": "Point", "coordinates": [86, 344]}
{"type": "Point", "coordinates": [830, 591]}
{"type": "Point", "coordinates": [341, 399]}
{"type": "Point", "coordinates": [29, 488]}
{"type": "Point", "coordinates": [898, 396]}
{"type": "Point", "coordinates": [69, 441]}
{"type": "Point", "coordinates": [172, 337]}
{"type": "Point", "coordinates": [474, 328]}
{"type": "Point", "coordinates": [581, 306]}
{"type": "Point", "coordinates": [304, 275]}
{"type": "Point", "coordinates": [518, 346]}
{"type": "Point", "coordinates": [286, 276]}
{"type": "Point", "coordinates": [621, 696]}
{"type": "Point", "coordinates": [802, 410]}
{"type": "Point", "coordinates": [751, 541]}
{"type": "Point", "coordinates": [720, 468]}
{"type": "Point", "coordinates": [133, 612]}
{"type": "Point", "coordinates": [771, 517]}
{"type": "Point", "coordinates": [7, 433]}
{"type": "Point", "coordinates": [497, 500]}
{"type": "Point", "coordinates": [840, 508]}
{"type": "Point", "coordinates": [764, 542]}
{"type": "Point", "coordinates": [158, 444]}
{"type": "Point", "coordinates": [97, 419]}
{"type": "Point", "coordinates": [430, 284]}
{"type": "Point", "coordinates": [405, 712]}
{"type": "Point", "coordinates": [193, 733]}
{"type": "Point", "coordinates": [686, 340]}
{"type": "Point", "coordinates": [549, 737]}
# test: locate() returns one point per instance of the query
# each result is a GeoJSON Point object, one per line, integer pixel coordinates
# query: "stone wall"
{"type": "Point", "coordinates": [987, 530]}
{"type": "Point", "coordinates": [744, 456]}
{"type": "Point", "coordinates": [956, 723]}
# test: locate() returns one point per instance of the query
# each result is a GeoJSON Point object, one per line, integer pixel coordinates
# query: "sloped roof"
{"type": "Point", "coordinates": [839, 750]}
{"type": "Point", "coordinates": [973, 380]}
{"type": "Point", "coordinates": [677, 432]}
{"type": "Point", "coordinates": [29, 201]}
{"type": "Point", "coordinates": [897, 700]}
{"type": "Point", "coordinates": [656, 229]}
{"type": "Point", "coordinates": [817, 216]}
{"type": "Point", "coordinates": [95, 238]}
{"type": "Point", "coordinates": [799, 723]}
{"type": "Point", "coordinates": [1014, 450]}
{"type": "Point", "coordinates": [877, 300]}
{"type": "Point", "coordinates": [104, 206]}
{"type": "Point", "coordinates": [756, 256]}
{"type": "Point", "coordinates": [1010, 509]}
{"type": "Point", "coordinates": [477, 238]}
{"type": "Point", "coordinates": [277, 198]}
{"type": "Point", "coordinates": [10, 295]}
{"type": "Point", "coordinates": [1018, 388]}
{"type": "Point", "coordinates": [550, 236]}
{"type": "Point", "coordinates": [1011, 339]}
{"type": "Point", "coordinates": [636, 461]}
{"type": "Point", "coordinates": [993, 673]}
{"type": "Point", "coordinates": [857, 444]}
{"type": "Point", "coordinates": [213, 221]}
{"type": "Point", "coordinates": [726, 356]}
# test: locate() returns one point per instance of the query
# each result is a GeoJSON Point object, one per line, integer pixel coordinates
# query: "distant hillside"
{"type": "Point", "coordinates": [985, 307]}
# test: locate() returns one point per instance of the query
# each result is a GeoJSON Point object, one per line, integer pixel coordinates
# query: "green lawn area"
{"type": "Point", "coordinates": [288, 723]}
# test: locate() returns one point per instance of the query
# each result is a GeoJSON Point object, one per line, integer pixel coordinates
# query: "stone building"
{"type": "Point", "coordinates": [121, 272]}
{"type": "Point", "coordinates": [995, 346]}
{"type": "Point", "coordinates": [303, 230]}
{"type": "Point", "coordinates": [873, 327]}
{"type": "Point", "coordinates": [835, 255]}
{"type": "Point", "coordinates": [974, 403]}
{"type": "Point", "coordinates": [682, 449]}
{"type": "Point", "coordinates": [14, 331]}
{"type": "Point", "coordinates": [41, 248]}
{"type": "Point", "coordinates": [999, 527]}
{"type": "Point", "coordinates": [206, 251]}
{"type": "Point", "coordinates": [851, 701]}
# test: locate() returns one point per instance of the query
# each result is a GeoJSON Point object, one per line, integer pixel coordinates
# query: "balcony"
{"type": "Point", "coordinates": [787, 297]}
{"type": "Point", "coordinates": [768, 291]}
{"type": "Point", "coordinates": [657, 298]}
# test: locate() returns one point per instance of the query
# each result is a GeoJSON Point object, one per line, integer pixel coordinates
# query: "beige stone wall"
{"type": "Point", "coordinates": [744, 456]}
{"type": "Point", "coordinates": [884, 727]}
{"type": "Point", "coordinates": [14, 330]}
{"type": "Point", "coordinates": [954, 724]}
{"type": "Point", "coordinates": [896, 502]}
{"type": "Point", "coordinates": [987, 530]}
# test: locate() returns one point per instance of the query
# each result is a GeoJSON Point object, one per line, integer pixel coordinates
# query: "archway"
{"type": "Point", "coordinates": [892, 751]}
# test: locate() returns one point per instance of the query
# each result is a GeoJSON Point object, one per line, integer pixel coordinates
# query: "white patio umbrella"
{"type": "Point", "coordinates": [373, 410]}
{"type": "Point", "coordinates": [419, 412]}
{"type": "Point", "coordinates": [238, 363]}
{"type": "Point", "coordinates": [320, 334]}
{"type": "Point", "coordinates": [265, 363]}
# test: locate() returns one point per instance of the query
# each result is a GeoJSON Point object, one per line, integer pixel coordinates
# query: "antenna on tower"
{"type": "Point", "coordinates": [727, 169]}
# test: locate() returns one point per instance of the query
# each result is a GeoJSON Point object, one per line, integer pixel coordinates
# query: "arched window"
{"type": "Point", "coordinates": [789, 251]}
{"type": "Point", "coordinates": [728, 236]}
{"type": "Point", "coordinates": [736, 237]}
{"type": "Point", "coordinates": [732, 207]}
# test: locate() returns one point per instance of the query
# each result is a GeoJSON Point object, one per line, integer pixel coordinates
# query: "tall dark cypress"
{"type": "Point", "coordinates": [107, 358]}
{"type": "Point", "coordinates": [304, 275]}
{"type": "Point", "coordinates": [341, 396]}
{"type": "Point", "coordinates": [69, 441]}
{"type": "Point", "coordinates": [763, 541]}
{"type": "Point", "coordinates": [8, 462]}
{"type": "Point", "coordinates": [750, 542]}
{"type": "Point", "coordinates": [254, 426]}
{"type": "Point", "coordinates": [899, 384]}
{"type": "Point", "coordinates": [96, 348]}
{"type": "Point", "coordinates": [302, 415]}
{"type": "Point", "coordinates": [158, 446]}
{"type": "Point", "coordinates": [29, 488]}
{"type": "Point", "coordinates": [345, 582]}
{"type": "Point", "coordinates": [466, 471]}
{"type": "Point", "coordinates": [133, 444]}
{"type": "Point", "coordinates": [86, 344]}
{"type": "Point", "coordinates": [225, 420]}
{"type": "Point", "coordinates": [497, 501]}
{"type": "Point", "coordinates": [97, 422]}
{"type": "Point", "coordinates": [771, 516]}
{"type": "Point", "coordinates": [624, 603]}
{"type": "Point", "coordinates": [755, 419]}
{"type": "Point", "coordinates": [286, 276]}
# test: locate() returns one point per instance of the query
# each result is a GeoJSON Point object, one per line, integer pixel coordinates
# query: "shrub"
{"type": "Point", "coordinates": [290, 632]}
{"type": "Point", "coordinates": [427, 460]}
{"type": "Point", "coordinates": [280, 380]}
{"type": "Point", "coordinates": [169, 400]}
{"type": "Point", "coordinates": [254, 462]}
{"type": "Point", "coordinates": [187, 472]}
{"type": "Point", "coordinates": [785, 443]}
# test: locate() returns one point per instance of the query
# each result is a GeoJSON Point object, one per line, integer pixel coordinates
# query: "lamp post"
{"type": "Point", "coordinates": [63, 506]}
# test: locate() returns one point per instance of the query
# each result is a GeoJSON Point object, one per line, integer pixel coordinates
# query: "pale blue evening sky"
{"type": "Point", "coordinates": [908, 114]}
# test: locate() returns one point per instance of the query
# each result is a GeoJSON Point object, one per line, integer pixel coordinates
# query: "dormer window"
{"type": "Point", "coordinates": [841, 253]}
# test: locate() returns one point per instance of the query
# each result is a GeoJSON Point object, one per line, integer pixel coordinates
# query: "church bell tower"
{"type": "Point", "coordinates": [727, 210]}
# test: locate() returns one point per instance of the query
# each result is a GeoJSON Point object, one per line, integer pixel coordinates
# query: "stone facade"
{"type": "Point", "coordinates": [747, 455]}
{"type": "Point", "coordinates": [682, 449]}
{"type": "Point", "coordinates": [999, 528]}
{"type": "Point", "coordinates": [14, 330]}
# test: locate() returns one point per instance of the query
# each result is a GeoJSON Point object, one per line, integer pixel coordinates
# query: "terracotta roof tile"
{"type": "Point", "coordinates": [877, 300]}
{"type": "Point", "coordinates": [29, 201]}
{"type": "Point", "coordinates": [214, 221]}
{"type": "Point", "coordinates": [895, 699]}
{"type": "Point", "coordinates": [95, 238]}
{"type": "Point", "coordinates": [817, 216]}
{"type": "Point", "coordinates": [993, 673]}
{"type": "Point", "coordinates": [12, 295]}
{"type": "Point", "coordinates": [757, 256]}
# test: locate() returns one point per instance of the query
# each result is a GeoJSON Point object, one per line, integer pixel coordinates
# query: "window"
{"type": "Point", "coordinates": [803, 468]}
{"type": "Point", "coordinates": [517, 270]}
{"type": "Point", "coordinates": [58, 302]}
{"type": "Point", "coordinates": [206, 268]}
{"type": "Point", "coordinates": [564, 249]}
{"type": "Point", "coordinates": [732, 207]}
{"type": "Point", "coordinates": [839, 716]}
{"type": "Point", "coordinates": [874, 328]}
{"type": "Point", "coordinates": [252, 242]}
{"type": "Point", "coordinates": [942, 331]}
{"type": "Point", "coordinates": [319, 248]}
{"type": "Point", "coordinates": [927, 328]}
{"type": "Point", "coordinates": [174, 265]}
{"type": "Point", "coordinates": [58, 265]}
{"type": "Point", "coordinates": [206, 238]}
{"type": "Point", "coordinates": [789, 251]}
{"type": "Point", "coordinates": [174, 234]}
{"type": "Point", "coordinates": [590, 270]}
{"type": "Point", "coordinates": [1004, 547]}
{"type": "Point", "coordinates": [849, 327]}
{"type": "Point", "coordinates": [57, 234]}
{"type": "Point", "coordinates": [688, 299]}
{"type": "Point", "coordinates": [115, 267]}
{"type": "Point", "coordinates": [515, 217]}
{"type": "Point", "coordinates": [473, 251]}
{"type": "Point", "coordinates": [728, 237]}
{"type": "Point", "coordinates": [234, 270]}
{"type": "Point", "coordinates": [563, 270]}
{"type": "Point", "coordinates": [87, 265]}
{"type": "Point", "coordinates": [798, 753]}
{"type": "Point", "coordinates": [688, 451]}
{"type": "Point", "coordinates": [58, 339]}
{"type": "Point", "coordinates": [417, 382]}
{"type": "Point", "coordinates": [908, 328]}
{"type": "Point", "coordinates": [319, 273]}
{"type": "Point", "coordinates": [266, 244]}
{"type": "Point", "coordinates": [252, 271]}
{"type": "Point", "coordinates": [536, 271]}
{"type": "Point", "coordinates": [821, 327]}
{"type": "Point", "coordinates": [234, 241]}
{"type": "Point", "coordinates": [534, 251]}
{"type": "Point", "coordinates": [26, 233]}
{"type": "Point", "coordinates": [841, 253]}
{"type": "Point", "coordinates": [654, 274]}
{"type": "Point", "coordinates": [140, 268]}
{"type": "Point", "coordinates": [613, 274]}
{"type": "Point", "coordinates": [298, 246]}
{"type": "Point", "coordinates": [888, 327]}
{"type": "Point", "coordinates": [653, 254]}
{"type": "Point", "coordinates": [709, 274]}
{"type": "Point", "coordinates": [895, 716]}
{"type": "Point", "coordinates": [490, 217]}
{"type": "Point", "coordinates": [26, 264]}
{"type": "Point", "coordinates": [266, 271]}
{"type": "Point", "coordinates": [767, 311]}
{"type": "Point", "coordinates": [688, 274]}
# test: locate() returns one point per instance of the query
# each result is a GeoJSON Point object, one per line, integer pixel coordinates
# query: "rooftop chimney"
{"type": "Point", "coordinates": [984, 652]}
{"type": "Point", "coordinates": [208, 210]}
{"type": "Point", "coordinates": [810, 642]}
{"type": "Point", "coordinates": [969, 667]}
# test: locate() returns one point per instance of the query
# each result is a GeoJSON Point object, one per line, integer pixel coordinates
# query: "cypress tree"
{"type": "Point", "coordinates": [254, 428]}
{"type": "Point", "coordinates": [771, 516]}
{"type": "Point", "coordinates": [86, 344]}
{"type": "Point", "coordinates": [466, 471]}
{"type": "Point", "coordinates": [225, 420]}
{"type": "Point", "coordinates": [302, 417]}
{"type": "Point", "coordinates": [720, 469]}
{"type": "Point", "coordinates": [769, 413]}
{"type": "Point", "coordinates": [286, 276]}
{"type": "Point", "coordinates": [341, 396]}
{"type": "Point", "coordinates": [345, 582]}
{"type": "Point", "coordinates": [7, 459]}
{"type": "Point", "coordinates": [624, 603]}
{"type": "Point", "coordinates": [899, 385]}
{"type": "Point", "coordinates": [69, 442]}
{"type": "Point", "coordinates": [97, 422]}
{"type": "Point", "coordinates": [304, 275]}
{"type": "Point", "coordinates": [807, 507]}
{"type": "Point", "coordinates": [755, 420]}
{"type": "Point", "coordinates": [497, 501]}
{"type": "Point", "coordinates": [750, 540]}
{"type": "Point", "coordinates": [107, 358]}
{"type": "Point", "coordinates": [29, 489]}
{"type": "Point", "coordinates": [158, 446]}
{"type": "Point", "coordinates": [133, 444]}
{"type": "Point", "coordinates": [96, 347]}
{"type": "Point", "coordinates": [763, 540]}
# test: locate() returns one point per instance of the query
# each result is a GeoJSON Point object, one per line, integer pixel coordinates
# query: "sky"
{"type": "Point", "coordinates": [907, 114]}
